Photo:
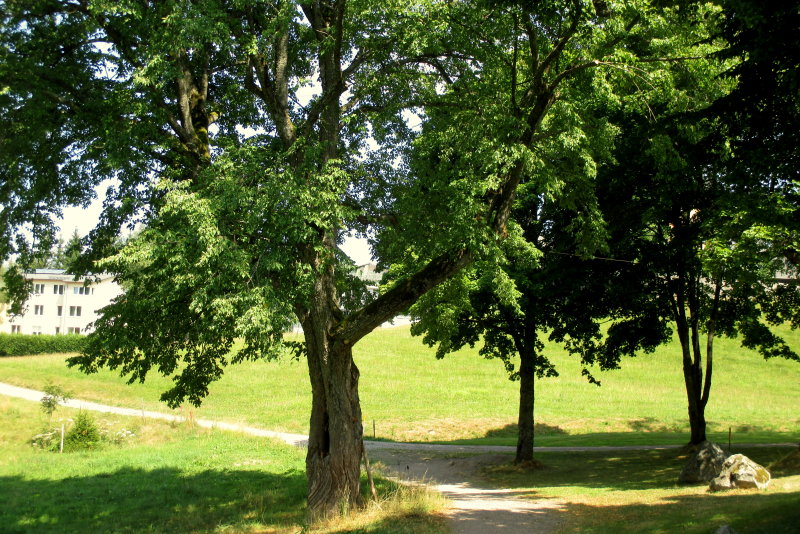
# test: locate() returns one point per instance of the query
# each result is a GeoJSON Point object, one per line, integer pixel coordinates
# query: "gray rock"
{"type": "Point", "coordinates": [740, 472]}
{"type": "Point", "coordinates": [725, 529]}
{"type": "Point", "coordinates": [704, 465]}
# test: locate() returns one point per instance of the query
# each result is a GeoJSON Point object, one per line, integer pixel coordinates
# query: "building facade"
{"type": "Point", "coordinates": [59, 304]}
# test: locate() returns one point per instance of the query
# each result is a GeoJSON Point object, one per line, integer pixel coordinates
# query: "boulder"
{"type": "Point", "coordinates": [725, 529]}
{"type": "Point", "coordinates": [704, 465]}
{"type": "Point", "coordinates": [740, 472]}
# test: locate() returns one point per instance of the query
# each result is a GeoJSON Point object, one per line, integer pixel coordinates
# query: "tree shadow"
{"type": "Point", "coordinates": [511, 431]}
{"type": "Point", "coordinates": [644, 431]}
{"type": "Point", "coordinates": [616, 470]}
{"type": "Point", "coordinates": [161, 500]}
{"type": "Point", "coordinates": [651, 424]}
{"type": "Point", "coordinates": [747, 513]}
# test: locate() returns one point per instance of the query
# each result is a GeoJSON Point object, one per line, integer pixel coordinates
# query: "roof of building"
{"type": "Point", "coordinates": [369, 273]}
{"type": "Point", "coordinates": [60, 275]}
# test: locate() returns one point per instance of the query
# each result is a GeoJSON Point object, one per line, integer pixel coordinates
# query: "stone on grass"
{"type": "Point", "coordinates": [725, 529]}
{"type": "Point", "coordinates": [740, 472]}
{"type": "Point", "coordinates": [704, 465]}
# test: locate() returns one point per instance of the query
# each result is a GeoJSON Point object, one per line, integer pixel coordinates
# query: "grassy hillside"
{"type": "Point", "coordinates": [175, 479]}
{"type": "Point", "coordinates": [412, 396]}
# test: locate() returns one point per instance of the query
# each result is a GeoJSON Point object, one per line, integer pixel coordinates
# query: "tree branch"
{"type": "Point", "coordinates": [401, 296]}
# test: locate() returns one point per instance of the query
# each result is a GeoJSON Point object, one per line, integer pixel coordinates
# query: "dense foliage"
{"type": "Point", "coordinates": [23, 344]}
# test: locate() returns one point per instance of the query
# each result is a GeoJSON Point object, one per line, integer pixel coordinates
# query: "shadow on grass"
{"type": "Point", "coordinates": [686, 510]}
{"type": "Point", "coordinates": [651, 424]}
{"type": "Point", "coordinates": [616, 470]}
{"type": "Point", "coordinates": [643, 432]}
{"type": "Point", "coordinates": [752, 513]}
{"type": "Point", "coordinates": [154, 501]}
{"type": "Point", "coordinates": [746, 513]}
{"type": "Point", "coordinates": [511, 431]}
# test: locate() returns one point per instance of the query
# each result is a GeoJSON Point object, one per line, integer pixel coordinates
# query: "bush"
{"type": "Point", "coordinates": [23, 345]}
{"type": "Point", "coordinates": [48, 439]}
{"type": "Point", "coordinates": [83, 434]}
{"type": "Point", "coordinates": [53, 396]}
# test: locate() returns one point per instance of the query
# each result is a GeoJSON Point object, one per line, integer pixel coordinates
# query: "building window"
{"type": "Point", "coordinates": [58, 289]}
{"type": "Point", "coordinates": [82, 290]}
{"type": "Point", "coordinates": [16, 329]}
{"type": "Point", "coordinates": [37, 331]}
{"type": "Point", "coordinates": [58, 330]}
{"type": "Point", "coordinates": [38, 310]}
{"type": "Point", "coordinates": [73, 330]}
{"type": "Point", "coordinates": [60, 310]}
{"type": "Point", "coordinates": [74, 311]}
{"type": "Point", "coordinates": [38, 289]}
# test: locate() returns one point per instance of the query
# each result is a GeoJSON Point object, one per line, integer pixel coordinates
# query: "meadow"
{"type": "Point", "coordinates": [409, 395]}
{"type": "Point", "coordinates": [178, 478]}
{"type": "Point", "coordinates": [174, 479]}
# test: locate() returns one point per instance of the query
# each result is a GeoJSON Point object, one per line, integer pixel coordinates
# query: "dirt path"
{"type": "Point", "coordinates": [474, 509]}
{"type": "Point", "coordinates": [452, 469]}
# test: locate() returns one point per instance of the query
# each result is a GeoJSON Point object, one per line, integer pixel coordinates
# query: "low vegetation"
{"type": "Point", "coordinates": [169, 478]}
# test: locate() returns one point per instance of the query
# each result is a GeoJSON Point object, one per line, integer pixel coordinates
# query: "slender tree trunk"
{"type": "Point", "coordinates": [694, 387]}
{"type": "Point", "coordinates": [697, 417]}
{"type": "Point", "coordinates": [692, 377]}
{"type": "Point", "coordinates": [525, 423]}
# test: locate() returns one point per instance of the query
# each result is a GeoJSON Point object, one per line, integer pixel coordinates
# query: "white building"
{"type": "Point", "coordinates": [60, 304]}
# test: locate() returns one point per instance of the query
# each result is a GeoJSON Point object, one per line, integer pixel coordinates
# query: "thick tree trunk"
{"type": "Point", "coordinates": [335, 441]}
{"type": "Point", "coordinates": [525, 422]}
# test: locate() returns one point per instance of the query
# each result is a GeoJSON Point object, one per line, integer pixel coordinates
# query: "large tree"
{"type": "Point", "coordinates": [236, 135]}
{"type": "Point", "coordinates": [543, 280]}
{"type": "Point", "coordinates": [705, 243]}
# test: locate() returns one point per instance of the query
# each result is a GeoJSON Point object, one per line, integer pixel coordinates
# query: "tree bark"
{"type": "Point", "coordinates": [525, 422]}
{"type": "Point", "coordinates": [335, 437]}
{"type": "Point", "coordinates": [692, 376]}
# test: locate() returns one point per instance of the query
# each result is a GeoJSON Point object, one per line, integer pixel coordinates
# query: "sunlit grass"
{"type": "Point", "coordinates": [407, 394]}
{"type": "Point", "coordinates": [176, 478]}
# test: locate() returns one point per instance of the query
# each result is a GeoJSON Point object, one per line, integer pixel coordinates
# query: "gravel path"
{"type": "Point", "coordinates": [473, 510]}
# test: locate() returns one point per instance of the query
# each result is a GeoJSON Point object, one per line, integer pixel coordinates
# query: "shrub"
{"type": "Point", "coordinates": [49, 440]}
{"type": "Point", "coordinates": [83, 434]}
{"type": "Point", "coordinates": [54, 395]}
{"type": "Point", "coordinates": [23, 345]}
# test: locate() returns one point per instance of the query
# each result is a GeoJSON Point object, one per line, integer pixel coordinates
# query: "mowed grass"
{"type": "Point", "coordinates": [635, 491]}
{"type": "Point", "coordinates": [407, 394]}
{"type": "Point", "coordinates": [175, 479]}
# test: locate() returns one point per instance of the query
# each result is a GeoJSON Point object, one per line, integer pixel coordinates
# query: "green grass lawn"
{"type": "Point", "coordinates": [636, 491]}
{"type": "Point", "coordinates": [172, 479]}
{"type": "Point", "coordinates": [465, 397]}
